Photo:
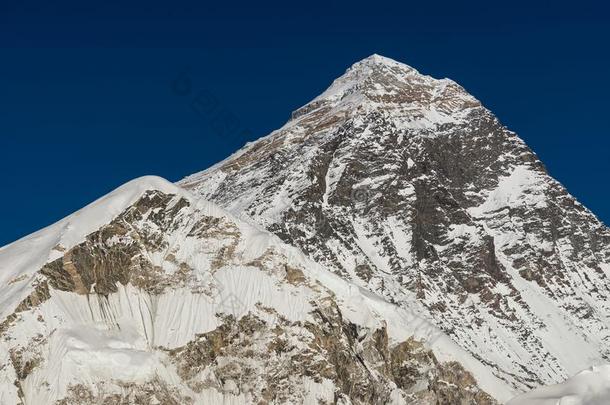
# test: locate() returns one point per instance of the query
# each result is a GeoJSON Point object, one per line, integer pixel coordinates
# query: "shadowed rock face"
{"type": "Point", "coordinates": [409, 187]}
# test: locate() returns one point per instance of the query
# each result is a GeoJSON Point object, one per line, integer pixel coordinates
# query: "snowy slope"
{"type": "Point", "coordinates": [20, 260]}
{"type": "Point", "coordinates": [589, 387]}
{"type": "Point", "coordinates": [152, 295]}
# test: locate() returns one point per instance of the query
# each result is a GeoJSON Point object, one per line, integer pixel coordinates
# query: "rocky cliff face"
{"type": "Point", "coordinates": [409, 187]}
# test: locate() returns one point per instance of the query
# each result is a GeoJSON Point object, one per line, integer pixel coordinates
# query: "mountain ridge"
{"type": "Point", "coordinates": [393, 242]}
{"type": "Point", "coordinates": [168, 273]}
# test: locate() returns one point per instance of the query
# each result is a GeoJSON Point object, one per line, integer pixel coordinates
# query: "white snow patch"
{"type": "Point", "coordinates": [589, 387]}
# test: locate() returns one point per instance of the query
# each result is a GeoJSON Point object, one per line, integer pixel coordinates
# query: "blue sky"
{"type": "Point", "coordinates": [87, 101]}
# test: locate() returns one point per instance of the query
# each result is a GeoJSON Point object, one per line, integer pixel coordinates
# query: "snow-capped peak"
{"type": "Point", "coordinates": [377, 82]}
{"type": "Point", "coordinates": [24, 257]}
{"type": "Point", "coordinates": [362, 75]}
{"type": "Point", "coordinates": [407, 185]}
{"type": "Point", "coordinates": [379, 60]}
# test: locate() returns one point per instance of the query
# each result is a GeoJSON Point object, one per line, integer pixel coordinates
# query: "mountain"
{"type": "Point", "coordinates": [392, 243]}
{"type": "Point", "coordinates": [409, 187]}
{"type": "Point", "coordinates": [151, 295]}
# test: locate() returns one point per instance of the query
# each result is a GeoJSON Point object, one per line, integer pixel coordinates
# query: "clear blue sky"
{"type": "Point", "coordinates": [86, 97]}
